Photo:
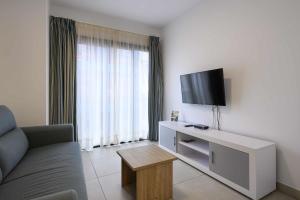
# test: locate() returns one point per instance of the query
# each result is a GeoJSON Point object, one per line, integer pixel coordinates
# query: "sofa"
{"type": "Point", "coordinates": [39, 163]}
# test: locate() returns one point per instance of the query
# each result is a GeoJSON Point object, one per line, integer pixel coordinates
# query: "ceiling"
{"type": "Point", "coordinates": [156, 13]}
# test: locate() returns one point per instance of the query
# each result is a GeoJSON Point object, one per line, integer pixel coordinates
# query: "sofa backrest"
{"type": "Point", "coordinates": [13, 142]}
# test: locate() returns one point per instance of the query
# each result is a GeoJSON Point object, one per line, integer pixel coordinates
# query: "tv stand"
{"type": "Point", "coordinates": [246, 164]}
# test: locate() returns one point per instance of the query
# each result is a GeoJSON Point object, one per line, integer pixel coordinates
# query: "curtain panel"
{"type": "Point", "coordinates": [155, 102]}
{"type": "Point", "coordinates": [112, 80]}
{"type": "Point", "coordinates": [62, 71]}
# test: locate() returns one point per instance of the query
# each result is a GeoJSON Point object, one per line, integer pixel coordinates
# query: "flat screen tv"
{"type": "Point", "coordinates": [206, 88]}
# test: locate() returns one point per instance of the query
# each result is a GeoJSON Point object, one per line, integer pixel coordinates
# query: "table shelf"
{"type": "Point", "coordinates": [199, 146]}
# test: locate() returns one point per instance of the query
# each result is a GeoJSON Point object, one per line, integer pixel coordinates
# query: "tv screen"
{"type": "Point", "coordinates": [206, 88]}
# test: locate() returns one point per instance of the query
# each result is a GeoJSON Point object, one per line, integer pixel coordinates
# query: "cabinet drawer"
{"type": "Point", "coordinates": [230, 164]}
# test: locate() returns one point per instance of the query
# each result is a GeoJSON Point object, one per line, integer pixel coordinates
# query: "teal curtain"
{"type": "Point", "coordinates": [155, 96]}
{"type": "Point", "coordinates": [62, 72]}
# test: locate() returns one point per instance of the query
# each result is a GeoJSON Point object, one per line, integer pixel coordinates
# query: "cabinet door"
{"type": "Point", "coordinates": [230, 164]}
{"type": "Point", "coordinates": [167, 138]}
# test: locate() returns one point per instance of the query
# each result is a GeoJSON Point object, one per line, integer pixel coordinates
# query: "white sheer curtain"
{"type": "Point", "coordinates": [112, 86]}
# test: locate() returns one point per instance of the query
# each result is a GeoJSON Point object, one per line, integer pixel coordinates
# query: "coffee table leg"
{"type": "Point", "coordinates": [155, 182]}
{"type": "Point", "coordinates": [128, 176]}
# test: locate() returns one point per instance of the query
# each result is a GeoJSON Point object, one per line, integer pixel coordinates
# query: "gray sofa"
{"type": "Point", "coordinates": [40, 163]}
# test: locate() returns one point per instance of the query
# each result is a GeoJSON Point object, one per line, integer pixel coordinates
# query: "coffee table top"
{"type": "Point", "coordinates": [145, 156]}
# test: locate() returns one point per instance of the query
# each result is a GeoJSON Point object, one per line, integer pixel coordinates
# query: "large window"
{"type": "Point", "coordinates": [112, 92]}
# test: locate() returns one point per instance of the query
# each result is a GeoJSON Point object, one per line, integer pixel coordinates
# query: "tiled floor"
{"type": "Point", "coordinates": [102, 169]}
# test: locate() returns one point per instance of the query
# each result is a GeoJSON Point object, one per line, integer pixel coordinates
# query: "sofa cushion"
{"type": "Point", "coordinates": [13, 146]}
{"type": "Point", "coordinates": [7, 120]}
{"type": "Point", "coordinates": [64, 195]}
{"type": "Point", "coordinates": [46, 170]}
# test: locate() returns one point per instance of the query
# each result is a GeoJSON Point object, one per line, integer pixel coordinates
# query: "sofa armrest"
{"type": "Point", "coordinates": [64, 195]}
{"type": "Point", "coordinates": [46, 135]}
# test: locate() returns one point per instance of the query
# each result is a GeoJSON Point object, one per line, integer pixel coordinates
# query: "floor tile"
{"type": "Point", "coordinates": [183, 172]}
{"type": "Point", "coordinates": [103, 152]}
{"type": "Point", "coordinates": [136, 144]}
{"type": "Point", "coordinates": [88, 169]}
{"type": "Point", "coordinates": [102, 171]}
{"type": "Point", "coordinates": [204, 188]}
{"type": "Point", "coordinates": [112, 188]}
{"type": "Point", "coordinates": [85, 156]}
{"type": "Point", "coordinates": [94, 190]}
{"type": "Point", "coordinates": [106, 161]}
{"type": "Point", "coordinates": [278, 196]}
{"type": "Point", "coordinates": [107, 165]}
{"type": "Point", "coordinates": [111, 150]}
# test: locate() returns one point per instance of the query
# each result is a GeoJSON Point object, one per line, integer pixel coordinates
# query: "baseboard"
{"type": "Point", "coordinates": [288, 190]}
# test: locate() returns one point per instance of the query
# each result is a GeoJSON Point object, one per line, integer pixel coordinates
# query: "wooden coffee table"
{"type": "Point", "coordinates": [150, 168]}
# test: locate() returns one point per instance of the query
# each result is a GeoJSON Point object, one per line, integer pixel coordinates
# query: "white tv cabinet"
{"type": "Point", "coordinates": [246, 164]}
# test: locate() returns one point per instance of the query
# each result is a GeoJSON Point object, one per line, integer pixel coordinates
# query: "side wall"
{"type": "Point", "coordinates": [258, 45]}
{"type": "Point", "coordinates": [24, 59]}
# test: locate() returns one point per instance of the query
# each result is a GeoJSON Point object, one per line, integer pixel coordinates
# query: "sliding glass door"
{"type": "Point", "coordinates": [112, 93]}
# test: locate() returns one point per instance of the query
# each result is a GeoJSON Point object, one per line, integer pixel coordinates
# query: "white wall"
{"type": "Point", "coordinates": [258, 45]}
{"type": "Point", "coordinates": [103, 20]}
{"type": "Point", "coordinates": [24, 59]}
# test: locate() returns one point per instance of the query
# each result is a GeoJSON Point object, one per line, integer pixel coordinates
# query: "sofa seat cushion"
{"type": "Point", "coordinates": [46, 170]}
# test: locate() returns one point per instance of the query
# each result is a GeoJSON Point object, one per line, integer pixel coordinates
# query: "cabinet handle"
{"type": "Point", "coordinates": [212, 157]}
{"type": "Point", "coordinates": [174, 141]}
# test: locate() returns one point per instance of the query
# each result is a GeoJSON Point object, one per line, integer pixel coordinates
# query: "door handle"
{"type": "Point", "coordinates": [212, 157]}
{"type": "Point", "coordinates": [174, 141]}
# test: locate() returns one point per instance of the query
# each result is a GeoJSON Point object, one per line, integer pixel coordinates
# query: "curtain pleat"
{"type": "Point", "coordinates": [62, 72]}
{"type": "Point", "coordinates": [155, 96]}
{"type": "Point", "coordinates": [112, 80]}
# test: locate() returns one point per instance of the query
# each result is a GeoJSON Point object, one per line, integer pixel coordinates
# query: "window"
{"type": "Point", "coordinates": [112, 92]}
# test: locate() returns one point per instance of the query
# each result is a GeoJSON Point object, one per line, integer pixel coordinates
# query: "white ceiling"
{"type": "Point", "coordinates": [151, 12]}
